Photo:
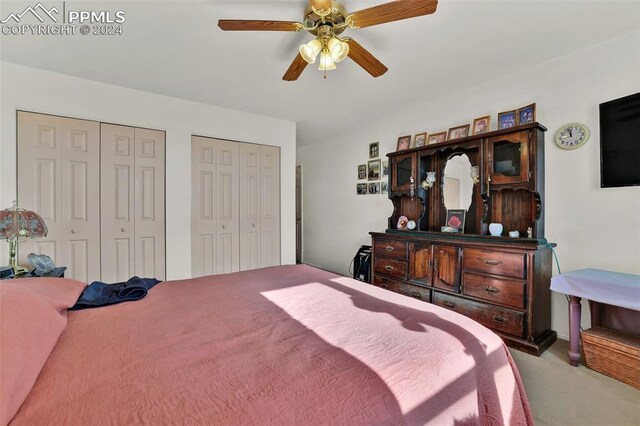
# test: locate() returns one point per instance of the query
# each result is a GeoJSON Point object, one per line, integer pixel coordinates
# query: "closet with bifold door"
{"type": "Point", "coordinates": [235, 215]}
{"type": "Point", "coordinates": [100, 189]}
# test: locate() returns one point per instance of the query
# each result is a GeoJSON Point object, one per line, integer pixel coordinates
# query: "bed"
{"type": "Point", "coordinates": [280, 345]}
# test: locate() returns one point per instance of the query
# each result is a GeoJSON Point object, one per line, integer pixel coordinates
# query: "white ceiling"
{"type": "Point", "coordinates": [175, 48]}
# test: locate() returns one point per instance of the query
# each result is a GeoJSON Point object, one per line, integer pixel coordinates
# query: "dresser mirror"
{"type": "Point", "coordinates": [457, 184]}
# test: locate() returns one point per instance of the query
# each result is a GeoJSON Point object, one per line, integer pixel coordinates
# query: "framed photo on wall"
{"type": "Point", "coordinates": [527, 114]}
{"type": "Point", "coordinates": [404, 142]}
{"type": "Point", "coordinates": [506, 119]}
{"type": "Point", "coordinates": [385, 168]}
{"type": "Point", "coordinates": [384, 187]}
{"type": "Point", "coordinates": [362, 171]}
{"type": "Point", "coordinates": [374, 187]}
{"type": "Point", "coordinates": [361, 188]}
{"type": "Point", "coordinates": [374, 149]}
{"type": "Point", "coordinates": [374, 169]}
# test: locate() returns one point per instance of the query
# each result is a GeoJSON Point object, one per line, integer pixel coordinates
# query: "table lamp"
{"type": "Point", "coordinates": [16, 226]}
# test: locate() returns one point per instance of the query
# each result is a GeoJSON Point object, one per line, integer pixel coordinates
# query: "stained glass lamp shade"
{"type": "Point", "coordinates": [16, 226]}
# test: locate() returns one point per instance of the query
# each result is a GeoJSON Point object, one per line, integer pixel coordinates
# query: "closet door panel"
{"type": "Point", "coordinates": [249, 178]}
{"type": "Point", "coordinates": [204, 241]}
{"type": "Point", "coordinates": [149, 204]}
{"type": "Point", "coordinates": [227, 200]}
{"type": "Point", "coordinates": [80, 199]}
{"type": "Point", "coordinates": [270, 206]}
{"type": "Point", "coordinates": [39, 186]}
{"type": "Point", "coordinates": [58, 177]}
{"type": "Point", "coordinates": [117, 202]}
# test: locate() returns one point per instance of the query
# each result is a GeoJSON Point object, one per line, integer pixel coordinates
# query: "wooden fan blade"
{"type": "Point", "coordinates": [295, 69]}
{"type": "Point", "coordinates": [257, 25]}
{"type": "Point", "coordinates": [394, 11]}
{"type": "Point", "coordinates": [366, 60]}
{"type": "Point", "coordinates": [320, 4]}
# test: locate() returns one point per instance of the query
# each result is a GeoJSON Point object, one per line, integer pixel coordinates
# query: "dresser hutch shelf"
{"type": "Point", "coordinates": [499, 281]}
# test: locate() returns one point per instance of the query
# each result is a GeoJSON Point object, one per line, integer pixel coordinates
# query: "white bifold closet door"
{"type": "Point", "coordinates": [235, 206]}
{"type": "Point", "coordinates": [132, 203]}
{"type": "Point", "coordinates": [59, 178]}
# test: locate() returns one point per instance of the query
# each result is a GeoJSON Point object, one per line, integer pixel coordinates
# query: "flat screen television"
{"type": "Point", "coordinates": [620, 142]}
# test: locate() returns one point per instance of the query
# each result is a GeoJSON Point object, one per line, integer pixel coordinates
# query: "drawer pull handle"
{"type": "Point", "coordinates": [492, 262]}
{"type": "Point", "coordinates": [416, 294]}
{"type": "Point", "coordinates": [388, 268]}
{"type": "Point", "coordinates": [500, 319]}
{"type": "Point", "coordinates": [492, 289]}
{"type": "Point", "coordinates": [449, 304]}
{"type": "Point", "coordinates": [389, 248]}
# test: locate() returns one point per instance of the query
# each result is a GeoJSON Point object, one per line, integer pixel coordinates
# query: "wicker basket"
{"type": "Point", "coordinates": [613, 353]}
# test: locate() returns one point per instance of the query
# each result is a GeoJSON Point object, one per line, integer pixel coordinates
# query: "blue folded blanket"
{"type": "Point", "coordinates": [102, 294]}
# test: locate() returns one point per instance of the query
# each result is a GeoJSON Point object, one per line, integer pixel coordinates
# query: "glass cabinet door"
{"type": "Point", "coordinates": [508, 158]}
{"type": "Point", "coordinates": [403, 167]}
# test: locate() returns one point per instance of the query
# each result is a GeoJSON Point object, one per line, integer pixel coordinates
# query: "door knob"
{"type": "Point", "coordinates": [253, 225]}
{"type": "Point", "coordinates": [73, 231]}
{"type": "Point", "coordinates": [123, 229]}
{"type": "Point", "coordinates": [224, 226]}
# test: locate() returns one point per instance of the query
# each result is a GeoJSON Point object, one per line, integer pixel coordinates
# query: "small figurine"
{"type": "Point", "coordinates": [529, 232]}
{"type": "Point", "coordinates": [402, 222]}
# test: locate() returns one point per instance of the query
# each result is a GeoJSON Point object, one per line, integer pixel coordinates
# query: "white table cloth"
{"type": "Point", "coordinates": [612, 288]}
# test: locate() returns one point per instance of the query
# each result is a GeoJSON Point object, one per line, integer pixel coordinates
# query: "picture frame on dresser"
{"type": "Point", "coordinates": [455, 220]}
{"type": "Point", "coordinates": [404, 142]}
{"type": "Point", "coordinates": [526, 114]}
{"type": "Point", "coordinates": [458, 132]}
{"type": "Point", "coordinates": [507, 119]}
{"type": "Point", "coordinates": [437, 137]}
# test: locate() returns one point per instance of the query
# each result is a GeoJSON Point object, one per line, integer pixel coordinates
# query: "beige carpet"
{"type": "Point", "coordinates": [563, 395]}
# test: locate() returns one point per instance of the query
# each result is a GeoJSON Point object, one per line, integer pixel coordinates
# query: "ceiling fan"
{"type": "Point", "coordinates": [326, 20]}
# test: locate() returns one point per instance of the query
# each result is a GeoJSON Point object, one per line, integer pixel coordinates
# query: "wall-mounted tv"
{"type": "Point", "coordinates": [620, 142]}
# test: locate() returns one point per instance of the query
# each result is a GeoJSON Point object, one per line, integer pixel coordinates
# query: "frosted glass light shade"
{"type": "Point", "coordinates": [310, 51]}
{"type": "Point", "coordinates": [338, 49]}
{"type": "Point", "coordinates": [326, 63]}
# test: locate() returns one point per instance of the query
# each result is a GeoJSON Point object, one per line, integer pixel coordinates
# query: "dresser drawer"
{"type": "Point", "coordinates": [390, 267]}
{"type": "Point", "coordinates": [500, 291]}
{"type": "Point", "coordinates": [494, 262]}
{"type": "Point", "coordinates": [387, 283]}
{"type": "Point", "coordinates": [494, 317]}
{"type": "Point", "coordinates": [390, 248]}
{"type": "Point", "coordinates": [416, 292]}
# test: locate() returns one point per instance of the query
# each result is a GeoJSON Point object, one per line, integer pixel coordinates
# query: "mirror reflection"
{"type": "Point", "coordinates": [457, 183]}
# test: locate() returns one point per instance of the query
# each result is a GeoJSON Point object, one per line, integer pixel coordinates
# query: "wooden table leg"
{"type": "Point", "coordinates": [575, 310]}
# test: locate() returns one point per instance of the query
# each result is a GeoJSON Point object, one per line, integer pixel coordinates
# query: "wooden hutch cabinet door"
{"type": "Point", "coordinates": [508, 158]}
{"type": "Point", "coordinates": [403, 167]}
{"type": "Point", "coordinates": [420, 263]}
{"type": "Point", "coordinates": [446, 267]}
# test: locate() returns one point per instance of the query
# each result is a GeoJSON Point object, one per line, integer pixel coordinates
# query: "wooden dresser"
{"type": "Point", "coordinates": [499, 281]}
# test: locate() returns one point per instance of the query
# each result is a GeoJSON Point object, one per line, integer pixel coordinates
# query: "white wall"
{"type": "Point", "coordinates": [593, 227]}
{"type": "Point", "coordinates": [31, 89]}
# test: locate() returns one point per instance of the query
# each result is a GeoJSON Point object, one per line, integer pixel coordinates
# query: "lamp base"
{"type": "Point", "coordinates": [19, 271]}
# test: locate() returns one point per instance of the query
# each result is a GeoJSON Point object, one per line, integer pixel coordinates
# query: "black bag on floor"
{"type": "Point", "coordinates": [362, 264]}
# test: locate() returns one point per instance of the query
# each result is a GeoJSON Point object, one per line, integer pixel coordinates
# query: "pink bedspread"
{"type": "Point", "coordinates": [282, 345]}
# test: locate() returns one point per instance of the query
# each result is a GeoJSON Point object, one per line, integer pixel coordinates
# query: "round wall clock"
{"type": "Point", "coordinates": [572, 136]}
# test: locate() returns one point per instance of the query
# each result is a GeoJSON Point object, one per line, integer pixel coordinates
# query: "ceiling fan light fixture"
{"type": "Point", "coordinates": [338, 49]}
{"type": "Point", "coordinates": [310, 51]}
{"type": "Point", "coordinates": [326, 63]}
